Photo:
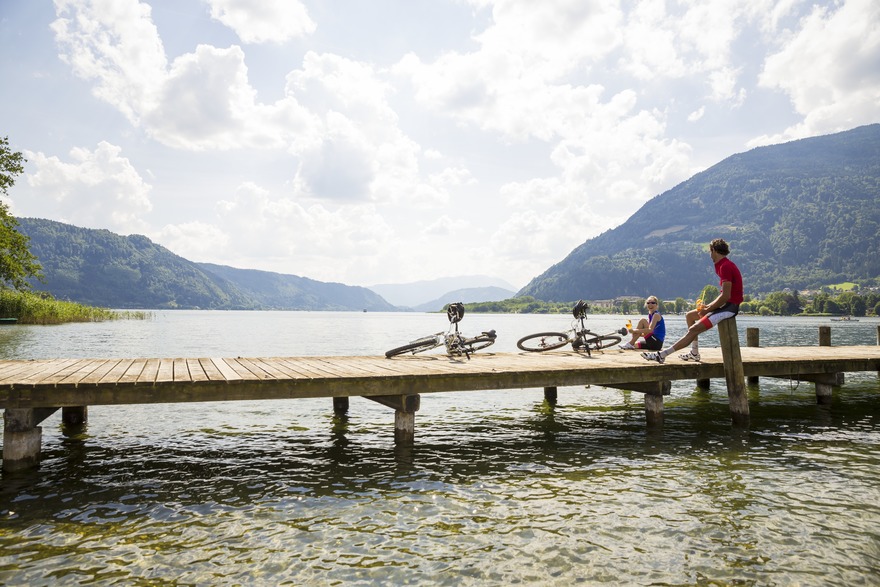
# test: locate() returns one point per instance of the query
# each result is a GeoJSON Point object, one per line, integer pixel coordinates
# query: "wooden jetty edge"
{"type": "Point", "coordinates": [32, 390]}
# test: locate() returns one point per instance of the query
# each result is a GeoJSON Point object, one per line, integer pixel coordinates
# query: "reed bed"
{"type": "Point", "coordinates": [32, 308]}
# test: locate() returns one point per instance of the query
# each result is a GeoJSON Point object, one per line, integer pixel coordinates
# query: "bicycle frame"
{"type": "Point", "coordinates": [456, 344]}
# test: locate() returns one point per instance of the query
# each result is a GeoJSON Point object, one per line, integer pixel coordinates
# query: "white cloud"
{"type": "Point", "coordinates": [272, 21]}
{"type": "Point", "coordinates": [97, 189]}
{"type": "Point", "coordinates": [362, 153]}
{"type": "Point", "coordinates": [829, 69]}
{"type": "Point", "coordinates": [117, 45]}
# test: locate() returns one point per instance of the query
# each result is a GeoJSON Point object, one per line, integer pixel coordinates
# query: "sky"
{"type": "Point", "coordinates": [392, 141]}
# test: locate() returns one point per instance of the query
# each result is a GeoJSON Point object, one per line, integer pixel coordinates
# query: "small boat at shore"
{"type": "Point", "coordinates": [845, 319]}
{"type": "Point", "coordinates": [8, 321]}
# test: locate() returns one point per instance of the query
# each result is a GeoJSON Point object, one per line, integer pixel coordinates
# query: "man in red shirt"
{"type": "Point", "coordinates": [725, 306]}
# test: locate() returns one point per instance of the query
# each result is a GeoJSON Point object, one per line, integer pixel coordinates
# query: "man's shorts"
{"type": "Point", "coordinates": [726, 311]}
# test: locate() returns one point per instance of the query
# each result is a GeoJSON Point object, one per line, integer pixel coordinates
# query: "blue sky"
{"type": "Point", "coordinates": [369, 142]}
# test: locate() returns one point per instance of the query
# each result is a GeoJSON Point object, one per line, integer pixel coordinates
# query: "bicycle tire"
{"type": "Point", "coordinates": [543, 341]}
{"type": "Point", "coordinates": [597, 343]}
{"type": "Point", "coordinates": [417, 346]}
{"type": "Point", "coordinates": [478, 343]}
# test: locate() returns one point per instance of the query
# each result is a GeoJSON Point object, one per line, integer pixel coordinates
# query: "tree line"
{"type": "Point", "coordinates": [781, 303]}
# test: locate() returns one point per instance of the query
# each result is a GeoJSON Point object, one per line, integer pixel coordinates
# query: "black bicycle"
{"type": "Point", "coordinates": [578, 336]}
{"type": "Point", "coordinates": [456, 344]}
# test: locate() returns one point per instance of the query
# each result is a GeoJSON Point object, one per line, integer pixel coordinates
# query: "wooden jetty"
{"type": "Point", "coordinates": [31, 390]}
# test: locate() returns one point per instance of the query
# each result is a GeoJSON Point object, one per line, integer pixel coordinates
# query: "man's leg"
{"type": "Point", "coordinates": [690, 338]}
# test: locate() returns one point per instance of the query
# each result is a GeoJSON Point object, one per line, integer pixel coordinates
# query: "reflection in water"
{"type": "Point", "coordinates": [499, 487]}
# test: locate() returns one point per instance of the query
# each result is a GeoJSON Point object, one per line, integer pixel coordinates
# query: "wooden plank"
{"type": "Point", "coordinates": [64, 373]}
{"type": "Point", "coordinates": [95, 376]}
{"type": "Point", "coordinates": [83, 372]}
{"type": "Point", "coordinates": [39, 371]}
{"type": "Point", "coordinates": [295, 364]}
{"type": "Point", "coordinates": [278, 369]}
{"type": "Point", "coordinates": [116, 372]}
{"type": "Point", "coordinates": [165, 373]}
{"type": "Point", "coordinates": [180, 371]}
{"type": "Point", "coordinates": [293, 371]}
{"type": "Point", "coordinates": [14, 371]}
{"type": "Point", "coordinates": [211, 371]}
{"type": "Point", "coordinates": [149, 371]}
{"type": "Point", "coordinates": [241, 371]}
{"type": "Point", "coordinates": [133, 371]}
{"type": "Point", "coordinates": [228, 373]}
{"type": "Point", "coordinates": [196, 371]}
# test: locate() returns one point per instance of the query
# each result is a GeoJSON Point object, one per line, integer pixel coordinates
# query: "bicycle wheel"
{"type": "Point", "coordinates": [544, 341]}
{"type": "Point", "coordinates": [417, 346]}
{"type": "Point", "coordinates": [597, 343]}
{"type": "Point", "coordinates": [479, 342]}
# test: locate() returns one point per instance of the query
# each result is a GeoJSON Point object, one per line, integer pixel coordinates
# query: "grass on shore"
{"type": "Point", "coordinates": [31, 308]}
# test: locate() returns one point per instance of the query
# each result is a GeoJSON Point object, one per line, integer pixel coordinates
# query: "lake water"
{"type": "Point", "coordinates": [500, 488]}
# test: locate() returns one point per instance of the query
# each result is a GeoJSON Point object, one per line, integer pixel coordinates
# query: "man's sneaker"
{"type": "Point", "coordinates": [690, 356]}
{"type": "Point", "coordinates": [626, 346]}
{"type": "Point", "coordinates": [654, 357]}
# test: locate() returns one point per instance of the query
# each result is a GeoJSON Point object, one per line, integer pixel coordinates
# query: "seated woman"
{"type": "Point", "coordinates": [652, 330]}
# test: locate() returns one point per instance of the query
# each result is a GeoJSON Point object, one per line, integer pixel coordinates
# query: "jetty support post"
{"type": "Point", "coordinates": [878, 342]}
{"type": "Point", "coordinates": [22, 437]}
{"type": "Point", "coordinates": [825, 385]}
{"type": "Point", "coordinates": [340, 405]}
{"type": "Point", "coordinates": [405, 408]}
{"type": "Point", "coordinates": [753, 340]}
{"type": "Point", "coordinates": [733, 372]}
{"type": "Point", "coordinates": [654, 392]}
{"type": "Point", "coordinates": [75, 415]}
{"type": "Point", "coordinates": [551, 395]}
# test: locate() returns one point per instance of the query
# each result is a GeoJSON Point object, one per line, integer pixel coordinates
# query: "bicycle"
{"type": "Point", "coordinates": [456, 344]}
{"type": "Point", "coordinates": [579, 336]}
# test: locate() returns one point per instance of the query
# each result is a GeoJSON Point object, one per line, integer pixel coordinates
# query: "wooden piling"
{"type": "Point", "coordinates": [340, 405]}
{"type": "Point", "coordinates": [550, 395]}
{"type": "Point", "coordinates": [825, 388]}
{"type": "Point", "coordinates": [733, 371]}
{"type": "Point", "coordinates": [753, 339]}
{"type": "Point", "coordinates": [21, 439]}
{"type": "Point", "coordinates": [405, 408]}
{"type": "Point", "coordinates": [75, 415]}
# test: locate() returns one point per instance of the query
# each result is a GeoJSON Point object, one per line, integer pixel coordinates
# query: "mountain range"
{"type": "Point", "coordinates": [797, 215]}
{"type": "Point", "coordinates": [100, 268]}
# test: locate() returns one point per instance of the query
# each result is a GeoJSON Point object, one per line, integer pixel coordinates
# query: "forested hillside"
{"type": "Point", "coordinates": [797, 215]}
{"type": "Point", "coordinates": [100, 268]}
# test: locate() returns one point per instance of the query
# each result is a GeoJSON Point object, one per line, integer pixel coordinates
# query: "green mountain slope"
{"type": "Point", "coordinates": [800, 214]}
{"type": "Point", "coordinates": [100, 268]}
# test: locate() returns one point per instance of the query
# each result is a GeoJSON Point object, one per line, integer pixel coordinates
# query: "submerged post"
{"type": "Point", "coordinates": [550, 395]}
{"type": "Point", "coordinates": [21, 439]}
{"type": "Point", "coordinates": [753, 340]}
{"type": "Point", "coordinates": [340, 405]}
{"type": "Point", "coordinates": [405, 408]}
{"type": "Point", "coordinates": [733, 371]}
{"type": "Point", "coordinates": [75, 415]}
{"type": "Point", "coordinates": [824, 389]}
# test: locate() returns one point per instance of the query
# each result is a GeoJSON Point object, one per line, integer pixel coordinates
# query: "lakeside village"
{"type": "Point", "coordinates": [845, 300]}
